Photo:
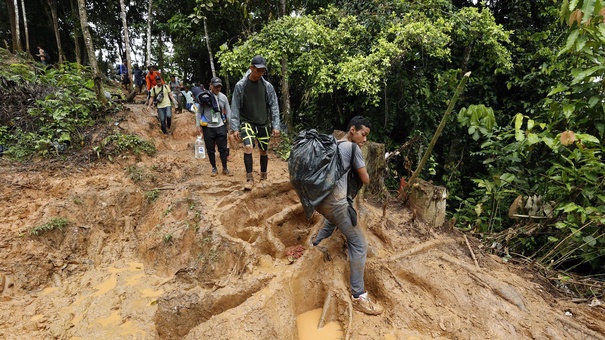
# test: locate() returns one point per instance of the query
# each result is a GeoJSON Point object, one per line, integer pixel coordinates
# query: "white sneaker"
{"type": "Point", "coordinates": [365, 305]}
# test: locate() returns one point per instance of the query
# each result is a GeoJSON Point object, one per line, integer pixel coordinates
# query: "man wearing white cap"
{"type": "Point", "coordinates": [254, 112]}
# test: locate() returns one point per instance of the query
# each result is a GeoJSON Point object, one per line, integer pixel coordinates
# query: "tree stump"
{"type": "Point", "coordinates": [428, 202]}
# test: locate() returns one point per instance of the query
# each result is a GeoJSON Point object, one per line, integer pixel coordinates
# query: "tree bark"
{"type": "Point", "coordinates": [77, 33]}
{"type": "Point", "coordinates": [25, 26]}
{"type": "Point", "coordinates": [148, 56]}
{"type": "Point", "coordinates": [285, 85]}
{"type": "Point", "coordinates": [209, 49]}
{"type": "Point", "coordinates": [91, 52]}
{"type": "Point", "coordinates": [17, 42]}
{"type": "Point", "coordinates": [467, 55]}
{"type": "Point", "coordinates": [285, 94]}
{"type": "Point", "coordinates": [126, 42]}
{"type": "Point", "coordinates": [10, 5]}
{"type": "Point", "coordinates": [55, 23]}
{"type": "Point", "coordinates": [160, 54]}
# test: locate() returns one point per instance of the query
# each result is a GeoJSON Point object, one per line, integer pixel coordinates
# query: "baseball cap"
{"type": "Point", "coordinates": [259, 62]}
{"type": "Point", "coordinates": [216, 81]}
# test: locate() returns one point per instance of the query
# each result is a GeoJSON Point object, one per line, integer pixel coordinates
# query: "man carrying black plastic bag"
{"type": "Point", "coordinates": [335, 207]}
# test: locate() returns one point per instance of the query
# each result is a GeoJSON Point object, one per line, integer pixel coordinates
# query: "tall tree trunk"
{"type": "Point", "coordinates": [55, 23]}
{"type": "Point", "coordinates": [148, 56]}
{"type": "Point", "coordinates": [467, 56]}
{"type": "Point", "coordinates": [77, 32]}
{"type": "Point", "coordinates": [91, 52]}
{"type": "Point", "coordinates": [285, 94]}
{"type": "Point", "coordinates": [285, 85]}
{"type": "Point", "coordinates": [160, 53]}
{"type": "Point", "coordinates": [10, 5]}
{"type": "Point", "coordinates": [25, 26]}
{"type": "Point", "coordinates": [209, 49]}
{"type": "Point", "coordinates": [126, 42]}
{"type": "Point", "coordinates": [17, 43]}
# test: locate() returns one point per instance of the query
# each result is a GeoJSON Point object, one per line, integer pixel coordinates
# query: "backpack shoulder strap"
{"type": "Point", "coordinates": [353, 149]}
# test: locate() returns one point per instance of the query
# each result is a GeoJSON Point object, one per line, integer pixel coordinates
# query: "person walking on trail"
{"type": "Point", "coordinates": [161, 97]}
{"type": "Point", "coordinates": [44, 57]}
{"type": "Point", "coordinates": [138, 78]}
{"type": "Point", "coordinates": [211, 121]}
{"type": "Point", "coordinates": [188, 95]}
{"type": "Point", "coordinates": [176, 87]}
{"type": "Point", "coordinates": [335, 209]}
{"type": "Point", "coordinates": [151, 77]}
{"type": "Point", "coordinates": [125, 75]}
{"type": "Point", "coordinates": [254, 112]}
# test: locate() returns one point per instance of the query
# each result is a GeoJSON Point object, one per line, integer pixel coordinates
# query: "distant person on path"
{"type": "Point", "coordinates": [255, 111]}
{"type": "Point", "coordinates": [188, 95]}
{"type": "Point", "coordinates": [164, 105]}
{"type": "Point", "coordinates": [151, 77]}
{"type": "Point", "coordinates": [211, 121]}
{"type": "Point", "coordinates": [176, 87]}
{"type": "Point", "coordinates": [44, 57]}
{"type": "Point", "coordinates": [125, 75]}
{"type": "Point", "coordinates": [335, 209]}
{"type": "Point", "coordinates": [138, 78]}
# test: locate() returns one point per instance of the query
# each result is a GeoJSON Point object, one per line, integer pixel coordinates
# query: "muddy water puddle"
{"type": "Point", "coordinates": [307, 327]}
{"type": "Point", "coordinates": [111, 302]}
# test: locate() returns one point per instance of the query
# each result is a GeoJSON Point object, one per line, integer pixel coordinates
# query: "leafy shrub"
{"type": "Point", "coordinates": [57, 223]}
{"type": "Point", "coordinates": [152, 195]}
{"type": "Point", "coordinates": [118, 143]}
{"type": "Point", "coordinates": [45, 108]}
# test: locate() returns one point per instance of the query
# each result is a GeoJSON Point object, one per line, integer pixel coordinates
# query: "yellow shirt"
{"type": "Point", "coordinates": [166, 100]}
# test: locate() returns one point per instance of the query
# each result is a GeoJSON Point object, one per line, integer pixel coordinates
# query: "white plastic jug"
{"type": "Point", "coordinates": [200, 152]}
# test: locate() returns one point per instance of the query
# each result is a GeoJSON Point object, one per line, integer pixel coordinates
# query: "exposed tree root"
{"type": "Point", "coordinates": [580, 328]}
{"type": "Point", "coordinates": [350, 325]}
{"type": "Point", "coordinates": [393, 275]}
{"type": "Point", "coordinates": [324, 311]}
{"type": "Point", "coordinates": [471, 250]}
{"type": "Point", "coordinates": [420, 248]}
{"type": "Point", "coordinates": [285, 215]}
{"type": "Point", "coordinates": [504, 291]}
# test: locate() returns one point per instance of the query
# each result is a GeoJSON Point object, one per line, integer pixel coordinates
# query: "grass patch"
{"type": "Point", "coordinates": [118, 144]}
{"type": "Point", "coordinates": [152, 195]}
{"type": "Point", "coordinates": [54, 224]}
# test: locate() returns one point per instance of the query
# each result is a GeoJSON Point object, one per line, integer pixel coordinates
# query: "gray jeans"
{"type": "Point", "coordinates": [338, 216]}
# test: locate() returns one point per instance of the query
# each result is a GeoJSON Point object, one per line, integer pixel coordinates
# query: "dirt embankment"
{"type": "Point", "coordinates": [157, 248]}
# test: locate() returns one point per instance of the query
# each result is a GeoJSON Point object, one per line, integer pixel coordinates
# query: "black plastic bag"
{"type": "Point", "coordinates": [315, 167]}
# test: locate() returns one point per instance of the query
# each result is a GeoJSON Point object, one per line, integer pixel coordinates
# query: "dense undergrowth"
{"type": "Point", "coordinates": [46, 111]}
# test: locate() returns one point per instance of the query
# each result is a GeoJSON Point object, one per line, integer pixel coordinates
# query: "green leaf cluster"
{"type": "Point", "coordinates": [118, 144]}
{"type": "Point", "coordinates": [56, 223]}
{"type": "Point", "coordinates": [62, 104]}
{"type": "Point", "coordinates": [556, 155]}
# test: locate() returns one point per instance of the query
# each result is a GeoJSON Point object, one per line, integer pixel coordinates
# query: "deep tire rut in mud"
{"type": "Point", "coordinates": [157, 249]}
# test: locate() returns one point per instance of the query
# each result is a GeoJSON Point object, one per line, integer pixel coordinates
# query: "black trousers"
{"type": "Point", "coordinates": [214, 137]}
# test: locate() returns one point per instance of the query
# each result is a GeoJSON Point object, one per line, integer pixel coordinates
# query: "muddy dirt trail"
{"type": "Point", "coordinates": [158, 249]}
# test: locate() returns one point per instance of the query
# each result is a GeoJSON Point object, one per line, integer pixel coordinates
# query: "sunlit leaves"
{"type": "Point", "coordinates": [479, 119]}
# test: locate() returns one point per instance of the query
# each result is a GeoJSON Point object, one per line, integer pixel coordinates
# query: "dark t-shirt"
{"type": "Point", "coordinates": [255, 104]}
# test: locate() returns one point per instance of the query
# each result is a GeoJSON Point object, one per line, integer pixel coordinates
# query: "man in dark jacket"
{"type": "Point", "coordinates": [255, 111]}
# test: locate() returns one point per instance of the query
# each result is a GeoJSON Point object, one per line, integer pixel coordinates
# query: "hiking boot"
{"type": "Point", "coordinates": [226, 172]}
{"type": "Point", "coordinates": [263, 176]}
{"type": "Point", "coordinates": [249, 182]}
{"type": "Point", "coordinates": [365, 305]}
{"type": "Point", "coordinates": [214, 172]}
